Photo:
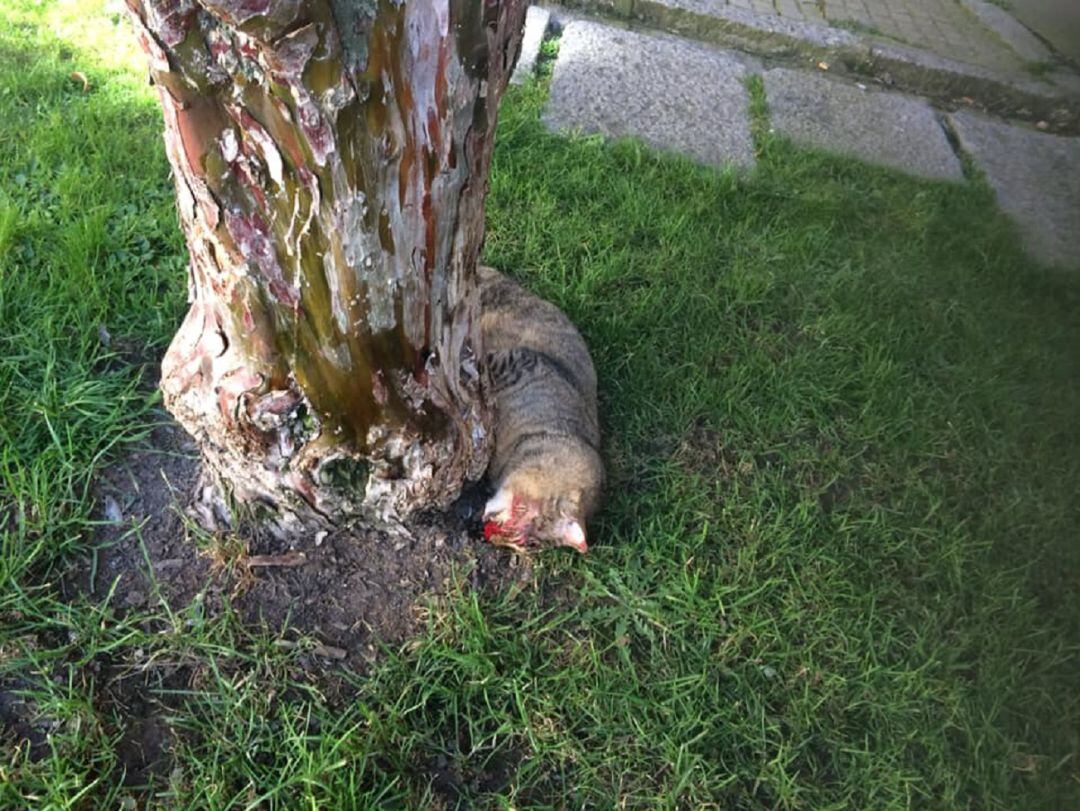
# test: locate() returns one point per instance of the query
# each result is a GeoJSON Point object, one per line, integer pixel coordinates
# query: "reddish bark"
{"type": "Point", "coordinates": [331, 161]}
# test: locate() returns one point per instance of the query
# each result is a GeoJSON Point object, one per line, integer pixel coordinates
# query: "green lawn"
{"type": "Point", "coordinates": [838, 564]}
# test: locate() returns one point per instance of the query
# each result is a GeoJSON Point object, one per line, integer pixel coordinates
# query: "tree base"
{"type": "Point", "coordinates": [266, 451]}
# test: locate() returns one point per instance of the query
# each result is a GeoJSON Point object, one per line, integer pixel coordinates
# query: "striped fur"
{"type": "Point", "coordinates": [546, 468]}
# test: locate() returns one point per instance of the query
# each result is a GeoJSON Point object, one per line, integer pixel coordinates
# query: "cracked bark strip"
{"type": "Point", "coordinates": [331, 161]}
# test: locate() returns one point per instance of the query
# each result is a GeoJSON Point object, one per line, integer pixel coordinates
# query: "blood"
{"type": "Point", "coordinates": [514, 530]}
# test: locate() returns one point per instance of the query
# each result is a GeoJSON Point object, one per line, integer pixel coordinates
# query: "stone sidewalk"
{"type": "Point", "coordinates": [942, 26]}
{"type": "Point", "coordinates": [940, 49]}
{"type": "Point", "coordinates": [689, 97]}
{"type": "Point", "coordinates": [1056, 21]}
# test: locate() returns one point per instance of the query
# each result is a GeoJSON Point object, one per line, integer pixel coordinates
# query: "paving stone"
{"type": "Point", "coordinates": [1065, 79]}
{"type": "Point", "coordinates": [1056, 21]}
{"type": "Point", "coordinates": [670, 93]}
{"type": "Point", "coordinates": [886, 128]}
{"type": "Point", "coordinates": [788, 8]}
{"type": "Point", "coordinates": [1037, 180]}
{"type": "Point", "coordinates": [707, 19]}
{"type": "Point", "coordinates": [979, 65]}
{"type": "Point", "coordinates": [536, 23]}
{"type": "Point", "coordinates": [998, 20]}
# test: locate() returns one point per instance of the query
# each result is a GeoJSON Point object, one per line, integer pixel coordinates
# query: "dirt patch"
{"type": "Point", "coordinates": [21, 724]}
{"type": "Point", "coordinates": [142, 542]}
{"type": "Point", "coordinates": [350, 591]}
{"type": "Point", "coordinates": [703, 451]}
{"type": "Point", "coordinates": [338, 601]}
{"type": "Point", "coordinates": [146, 739]}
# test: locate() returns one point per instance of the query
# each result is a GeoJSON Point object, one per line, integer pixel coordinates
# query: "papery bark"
{"type": "Point", "coordinates": [331, 161]}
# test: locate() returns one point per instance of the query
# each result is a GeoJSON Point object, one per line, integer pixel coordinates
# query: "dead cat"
{"type": "Point", "coordinates": [546, 469]}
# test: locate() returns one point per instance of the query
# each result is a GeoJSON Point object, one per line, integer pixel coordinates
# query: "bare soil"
{"type": "Point", "coordinates": [339, 600]}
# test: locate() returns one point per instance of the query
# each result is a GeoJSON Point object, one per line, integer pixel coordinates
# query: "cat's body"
{"type": "Point", "coordinates": [546, 468]}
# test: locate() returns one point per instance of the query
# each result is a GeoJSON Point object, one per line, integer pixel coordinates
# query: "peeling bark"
{"type": "Point", "coordinates": [331, 161]}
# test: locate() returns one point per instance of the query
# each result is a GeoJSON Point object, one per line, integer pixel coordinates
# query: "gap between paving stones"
{"type": "Point", "coordinates": [1010, 30]}
{"type": "Point", "coordinates": [537, 20]}
{"type": "Point", "coordinates": [1036, 179]}
{"type": "Point", "coordinates": [692, 99]}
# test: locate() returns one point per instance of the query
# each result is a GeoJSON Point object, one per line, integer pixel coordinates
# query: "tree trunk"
{"type": "Point", "coordinates": [331, 161]}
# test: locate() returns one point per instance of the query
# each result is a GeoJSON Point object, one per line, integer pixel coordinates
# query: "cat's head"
{"type": "Point", "coordinates": [523, 524]}
{"type": "Point", "coordinates": [545, 505]}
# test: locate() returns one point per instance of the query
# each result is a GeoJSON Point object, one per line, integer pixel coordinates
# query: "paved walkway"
{"type": "Point", "coordinates": [689, 97]}
{"type": "Point", "coordinates": [945, 49]}
{"type": "Point", "coordinates": [1056, 21]}
{"type": "Point", "coordinates": [942, 26]}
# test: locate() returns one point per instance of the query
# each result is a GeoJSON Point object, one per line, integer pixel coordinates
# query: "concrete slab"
{"type": "Point", "coordinates": [715, 20]}
{"type": "Point", "coordinates": [1057, 21]}
{"type": "Point", "coordinates": [1016, 36]}
{"type": "Point", "coordinates": [536, 23]}
{"type": "Point", "coordinates": [1037, 180]}
{"type": "Point", "coordinates": [671, 93]}
{"type": "Point", "coordinates": [885, 128]}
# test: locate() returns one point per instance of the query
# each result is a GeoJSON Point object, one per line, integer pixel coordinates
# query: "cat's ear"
{"type": "Point", "coordinates": [571, 534]}
{"type": "Point", "coordinates": [499, 505]}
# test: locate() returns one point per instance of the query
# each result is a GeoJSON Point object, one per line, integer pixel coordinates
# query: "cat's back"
{"type": "Point", "coordinates": [513, 320]}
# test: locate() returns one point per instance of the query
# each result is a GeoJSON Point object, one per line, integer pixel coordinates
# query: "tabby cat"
{"type": "Point", "coordinates": [546, 469]}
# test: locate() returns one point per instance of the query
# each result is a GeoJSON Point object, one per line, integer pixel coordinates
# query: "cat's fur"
{"type": "Point", "coordinates": [546, 469]}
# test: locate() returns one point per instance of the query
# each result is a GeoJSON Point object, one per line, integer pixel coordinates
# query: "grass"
{"type": "Point", "coordinates": [857, 27]}
{"type": "Point", "coordinates": [837, 566]}
{"type": "Point", "coordinates": [1040, 68]}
